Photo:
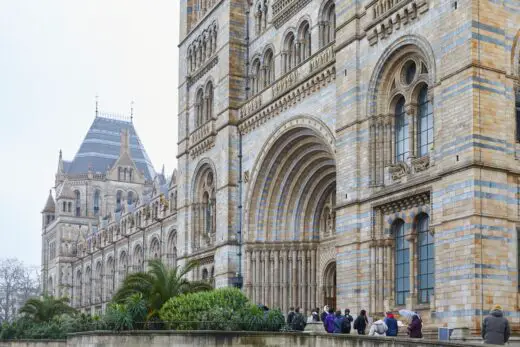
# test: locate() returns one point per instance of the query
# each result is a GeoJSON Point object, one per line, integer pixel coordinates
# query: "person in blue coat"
{"type": "Point", "coordinates": [391, 323]}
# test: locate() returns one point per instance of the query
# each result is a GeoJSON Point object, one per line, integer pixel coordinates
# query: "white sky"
{"type": "Point", "coordinates": [55, 56]}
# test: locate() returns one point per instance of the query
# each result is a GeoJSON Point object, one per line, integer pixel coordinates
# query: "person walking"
{"type": "Point", "coordinates": [378, 328]}
{"type": "Point", "coordinates": [391, 323]}
{"type": "Point", "coordinates": [360, 324]}
{"type": "Point", "coordinates": [329, 321]}
{"type": "Point", "coordinates": [290, 316]}
{"type": "Point", "coordinates": [298, 322]}
{"type": "Point", "coordinates": [415, 328]}
{"type": "Point", "coordinates": [495, 328]}
{"type": "Point", "coordinates": [347, 324]}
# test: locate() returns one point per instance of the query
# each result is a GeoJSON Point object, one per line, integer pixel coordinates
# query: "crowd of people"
{"type": "Point", "coordinates": [495, 328]}
{"type": "Point", "coordinates": [336, 322]}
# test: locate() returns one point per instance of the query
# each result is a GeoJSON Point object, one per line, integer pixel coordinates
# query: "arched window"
{"type": "Point", "coordinates": [199, 108]}
{"type": "Point", "coordinates": [424, 123]}
{"type": "Point", "coordinates": [97, 198]}
{"type": "Point", "coordinates": [204, 209]}
{"type": "Point", "coordinates": [402, 263]}
{"type": "Point", "coordinates": [426, 266]}
{"type": "Point", "coordinates": [97, 282]}
{"type": "Point", "coordinates": [255, 77]}
{"type": "Point", "coordinates": [155, 249]}
{"type": "Point", "coordinates": [204, 274]}
{"type": "Point", "coordinates": [172, 249]}
{"type": "Point", "coordinates": [119, 174]}
{"type": "Point", "coordinates": [119, 196]}
{"type": "Point", "coordinates": [78, 289]}
{"type": "Point", "coordinates": [109, 278]}
{"type": "Point", "coordinates": [130, 198]}
{"type": "Point", "coordinates": [130, 171]}
{"type": "Point", "coordinates": [138, 258]}
{"type": "Point", "coordinates": [305, 42]}
{"type": "Point", "coordinates": [328, 24]}
{"type": "Point", "coordinates": [269, 68]}
{"type": "Point", "coordinates": [123, 267]}
{"type": "Point", "coordinates": [258, 18]}
{"type": "Point", "coordinates": [69, 207]}
{"type": "Point", "coordinates": [209, 102]}
{"type": "Point", "coordinates": [290, 53]}
{"type": "Point", "coordinates": [78, 203]}
{"type": "Point", "coordinates": [401, 132]}
{"type": "Point", "coordinates": [64, 207]}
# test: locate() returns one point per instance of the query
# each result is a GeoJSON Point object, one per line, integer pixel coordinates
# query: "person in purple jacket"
{"type": "Point", "coordinates": [329, 321]}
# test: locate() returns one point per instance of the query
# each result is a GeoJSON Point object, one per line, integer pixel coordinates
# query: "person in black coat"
{"type": "Point", "coordinates": [361, 322]}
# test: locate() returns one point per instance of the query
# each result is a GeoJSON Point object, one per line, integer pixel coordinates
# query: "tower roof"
{"type": "Point", "coordinates": [101, 148]}
{"type": "Point", "coordinates": [50, 206]}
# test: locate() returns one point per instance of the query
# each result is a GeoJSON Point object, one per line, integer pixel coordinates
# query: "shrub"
{"type": "Point", "coordinates": [203, 309]}
{"type": "Point", "coordinates": [254, 318]}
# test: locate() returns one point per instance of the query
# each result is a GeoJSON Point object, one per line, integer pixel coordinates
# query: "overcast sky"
{"type": "Point", "coordinates": [55, 56]}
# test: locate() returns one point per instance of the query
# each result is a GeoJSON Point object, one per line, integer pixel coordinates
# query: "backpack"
{"type": "Point", "coordinates": [380, 329]}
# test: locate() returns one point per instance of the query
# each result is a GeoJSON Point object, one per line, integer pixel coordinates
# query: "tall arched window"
{"type": "Point", "coordinates": [172, 249]}
{"type": "Point", "coordinates": [130, 171]}
{"type": "Point", "coordinates": [290, 53]}
{"type": "Point", "coordinates": [255, 76]}
{"type": "Point", "coordinates": [305, 42]}
{"type": "Point", "coordinates": [328, 23]}
{"type": "Point", "coordinates": [155, 249]}
{"type": "Point", "coordinates": [130, 198]}
{"type": "Point", "coordinates": [78, 203]}
{"type": "Point", "coordinates": [204, 212]}
{"type": "Point", "coordinates": [64, 207]}
{"type": "Point", "coordinates": [119, 196]}
{"type": "Point", "coordinates": [97, 282]}
{"type": "Point", "coordinates": [97, 201]}
{"type": "Point", "coordinates": [269, 67]}
{"type": "Point", "coordinates": [199, 107]}
{"type": "Point", "coordinates": [402, 263]}
{"type": "Point", "coordinates": [209, 102]}
{"type": "Point", "coordinates": [401, 132]}
{"type": "Point", "coordinates": [69, 205]}
{"type": "Point", "coordinates": [424, 123]}
{"type": "Point", "coordinates": [78, 290]}
{"type": "Point", "coordinates": [426, 266]}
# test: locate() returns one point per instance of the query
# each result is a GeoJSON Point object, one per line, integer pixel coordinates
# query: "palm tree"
{"type": "Point", "coordinates": [159, 284]}
{"type": "Point", "coordinates": [45, 308]}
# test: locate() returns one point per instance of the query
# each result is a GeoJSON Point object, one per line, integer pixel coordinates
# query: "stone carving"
{"type": "Point", "coordinates": [421, 164]}
{"type": "Point", "coordinates": [202, 71]}
{"type": "Point", "coordinates": [398, 170]}
{"type": "Point", "coordinates": [322, 58]}
{"type": "Point", "coordinates": [283, 10]}
{"type": "Point", "coordinates": [251, 107]}
{"type": "Point", "coordinates": [285, 83]}
{"type": "Point", "coordinates": [389, 15]}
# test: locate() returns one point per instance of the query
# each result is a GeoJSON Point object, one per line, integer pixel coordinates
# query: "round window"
{"type": "Point", "coordinates": [409, 71]}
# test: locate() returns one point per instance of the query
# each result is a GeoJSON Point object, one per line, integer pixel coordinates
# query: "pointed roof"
{"type": "Point", "coordinates": [50, 206]}
{"type": "Point", "coordinates": [65, 192]}
{"type": "Point", "coordinates": [102, 146]}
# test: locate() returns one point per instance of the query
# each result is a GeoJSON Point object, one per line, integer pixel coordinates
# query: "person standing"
{"type": "Point", "coordinates": [339, 320]}
{"type": "Point", "coordinates": [329, 321]}
{"type": "Point", "coordinates": [415, 328]}
{"type": "Point", "coordinates": [324, 315]}
{"type": "Point", "coordinates": [496, 329]}
{"type": "Point", "coordinates": [391, 323]}
{"type": "Point", "coordinates": [360, 324]}
{"type": "Point", "coordinates": [347, 324]}
{"type": "Point", "coordinates": [290, 316]}
{"type": "Point", "coordinates": [298, 322]}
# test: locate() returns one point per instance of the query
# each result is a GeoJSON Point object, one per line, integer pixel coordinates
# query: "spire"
{"type": "Point", "coordinates": [162, 171]}
{"type": "Point", "coordinates": [132, 111]}
{"type": "Point", "coordinates": [50, 206]}
{"type": "Point", "coordinates": [97, 106]}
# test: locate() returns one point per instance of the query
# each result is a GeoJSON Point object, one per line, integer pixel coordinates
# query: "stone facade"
{"type": "Point", "coordinates": [361, 153]}
{"type": "Point", "coordinates": [109, 214]}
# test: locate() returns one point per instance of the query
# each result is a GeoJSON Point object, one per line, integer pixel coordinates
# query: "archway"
{"type": "Point", "coordinates": [292, 184]}
{"type": "Point", "coordinates": [329, 285]}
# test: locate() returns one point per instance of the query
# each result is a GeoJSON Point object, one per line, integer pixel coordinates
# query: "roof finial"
{"type": "Point", "coordinates": [61, 154]}
{"type": "Point", "coordinates": [162, 171]}
{"type": "Point", "coordinates": [132, 111]}
{"type": "Point", "coordinates": [97, 105]}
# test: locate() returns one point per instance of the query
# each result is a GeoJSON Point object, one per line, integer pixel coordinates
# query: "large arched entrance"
{"type": "Point", "coordinates": [292, 185]}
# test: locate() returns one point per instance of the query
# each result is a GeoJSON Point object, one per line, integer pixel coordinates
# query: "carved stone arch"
{"type": "Point", "coordinates": [171, 250]}
{"type": "Point", "coordinates": [314, 125]}
{"type": "Point", "coordinates": [203, 205]}
{"type": "Point", "coordinates": [301, 22]}
{"type": "Point", "coordinates": [197, 171]}
{"type": "Point", "coordinates": [283, 37]}
{"type": "Point", "coordinates": [324, 6]}
{"type": "Point", "coordinates": [404, 45]}
{"type": "Point", "coordinates": [155, 248]}
{"type": "Point", "coordinates": [269, 46]}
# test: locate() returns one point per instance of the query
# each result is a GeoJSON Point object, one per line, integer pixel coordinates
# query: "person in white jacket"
{"type": "Point", "coordinates": [378, 328]}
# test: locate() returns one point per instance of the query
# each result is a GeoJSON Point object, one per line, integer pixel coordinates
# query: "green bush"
{"type": "Point", "coordinates": [253, 318]}
{"type": "Point", "coordinates": [203, 309]}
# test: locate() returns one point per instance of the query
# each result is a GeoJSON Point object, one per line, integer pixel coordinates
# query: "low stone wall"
{"type": "Point", "coordinates": [34, 343]}
{"type": "Point", "coordinates": [243, 339]}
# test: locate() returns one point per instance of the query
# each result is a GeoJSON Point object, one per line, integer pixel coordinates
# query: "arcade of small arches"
{"type": "Point", "coordinates": [296, 45]}
{"type": "Point", "coordinates": [202, 48]}
{"type": "Point", "coordinates": [204, 104]}
{"type": "Point", "coordinates": [96, 284]}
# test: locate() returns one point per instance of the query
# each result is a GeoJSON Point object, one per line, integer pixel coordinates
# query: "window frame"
{"type": "Point", "coordinates": [402, 251]}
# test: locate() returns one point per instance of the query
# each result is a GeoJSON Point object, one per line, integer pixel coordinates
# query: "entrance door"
{"type": "Point", "coordinates": [329, 285]}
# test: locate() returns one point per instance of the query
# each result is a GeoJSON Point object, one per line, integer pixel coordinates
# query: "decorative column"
{"type": "Point", "coordinates": [277, 279]}
{"type": "Point", "coordinates": [412, 297]}
{"type": "Point", "coordinates": [314, 291]}
{"type": "Point", "coordinates": [283, 273]}
{"type": "Point", "coordinates": [298, 49]}
{"type": "Point", "coordinates": [389, 274]}
{"type": "Point", "coordinates": [411, 111]}
{"type": "Point", "coordinates": [257, 276]}
{"type": "Point", "coordinates": [248, 273]}
{"type": "Point", "coordinates": [284, 61]}
{"type": "Point", "coordinates": [372, 267]}
{"type": "Point", "coordinates": [294, 277]}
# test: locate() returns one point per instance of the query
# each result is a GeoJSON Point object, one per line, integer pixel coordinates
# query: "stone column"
{"type": "Point", "coordinates": [372, 267]}
{"type": "Point", "coordinates": [294, 278]}
{"type": "Point", "coordinates": [283, 270]}
{"type": "Point", "coordinates": [277, 279]}
{"type": "Point", "coordinates": [411, 111]}
{"type": "Point", "coordinates": [314, 291]}
{"type": "Point", "coordinates": [284, 61]}
{"type": "Point", "coordinates": [257, 276]}
{"type": "Point", "coordinates": [248, 273]}
{"type": "Point", "coordinates": [412, 297]}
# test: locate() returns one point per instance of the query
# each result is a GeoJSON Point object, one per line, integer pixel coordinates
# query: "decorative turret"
{"type": "Point", "coordinates": [60, 174]}
{"type": "Point", "coordinates": [48, 212]}
{"type": "Point", "coordinates": [65, 198]}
